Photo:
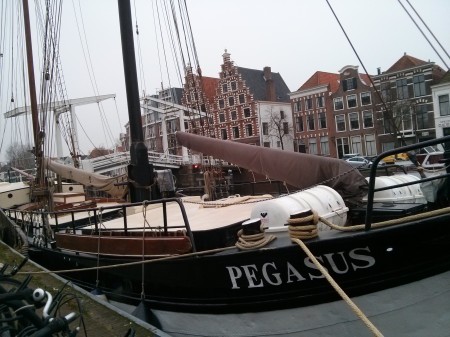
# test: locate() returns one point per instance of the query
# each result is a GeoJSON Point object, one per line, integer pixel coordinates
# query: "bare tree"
{"type": "Point", "coordinates": [279, 127]}
{"type": "Point", "coordinates": [20, 156]}
{"type": "Point", "coordinates": [396, 114]}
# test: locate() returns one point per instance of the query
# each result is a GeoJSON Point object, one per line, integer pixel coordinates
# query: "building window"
{"type": "Point", "coordinates": [266, 144]}
{"type": "Point", "coordinates": [324, 146]}
{"type": "Point", "coordinates": [340, 123]}
{"type": "Point", "coordinates": [231, 101]}
{"type": "Point", "coordinates": [233, 86]}
{"type": "Point", "coordinates": [419, 85]}
{"type": "Point", "coordinates": [222, 117]}
{"type": "Point", "coordinates": [320, 102]}
{"type": "Point", "coordinates": [299, 146]}
{"type": "Point", "coordinates": [299, 124]}
{"type": "Point", "coordinates": [402, 89]}
{"type": "Point", "coordinates": [322, 120]}
{"type": "Point", "coordinates": [265, 128]}
{"type": "Point", "coordinates": [312, 145]}
{"type": "Point", "coordinates": [233, 115]}
{"type": "Point", "coordinates": [356, 144]}
{"type": "Point", "coordinates": [249, 130]}
{"type": "Point", "coordinates": [281, 114]}
{"type": "Point", "coordinates": [422, 117]}
{"type": "Point", "coordinates": [308, 104]}
{"type": "Point", "coordinates": [235, 132]}
{"type": "Point", "coordinates": [223, 133]}
{"type": "Point", "coordinates": [353, 121]}
{"type": "Point", "coordinates": [342, 146]}
{"type": "Point", "coordinates": [246, 112]}
{"type": "Point", "coordinates": [403, 118]}
{"type": "Point", "coordinates": [351, 101]}
{"type": "Point", "coordinates": [224, 88]}
{"type": "Point", "coordinates": [310, 122]}
{"type": "Point", "coordinates": [349, 84]}
{"type": "Point", "coordinates": [371, 148]}
{"type": "Point", "coordinates": [241, 99]}
{"type": "Point", "coordinates": [367, 119]}
{"type": "Point", "coordinates": [338, 103]}
{"type": "Point", "coordinates": [366, 98]}
{"type": "Point", "coordinates": [221, 104]}
{"type": "Point", "coordinates": [286, 128]}
{"type": "Point", "coordinates": [278, 143]}
{"type": "Point", "coordinates": [385, 91]}
{"type": "Point", "coordinates": [444, 107]}
{"type": "Point", "coordinates": [298, 106]}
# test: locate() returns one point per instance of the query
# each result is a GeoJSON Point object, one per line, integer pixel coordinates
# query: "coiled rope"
{"type": "Point", "coordinates": [252, 235]}
{"type": "Point", "coordinates": [302, 226]}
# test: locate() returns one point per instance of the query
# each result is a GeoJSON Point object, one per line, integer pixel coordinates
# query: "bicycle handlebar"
{"type": "Point", "coordinates": [55, 325]}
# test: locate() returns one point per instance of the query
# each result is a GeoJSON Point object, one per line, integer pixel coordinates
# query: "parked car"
{"type": "Point", "coordinates": [360, 161]}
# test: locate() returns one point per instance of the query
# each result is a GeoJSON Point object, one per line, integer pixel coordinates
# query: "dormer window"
{"type": "Point", "coordinates": [349, 84]}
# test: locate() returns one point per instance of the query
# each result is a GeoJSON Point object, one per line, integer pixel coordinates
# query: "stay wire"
{"type": "Point", "coordinates": [421, 31]}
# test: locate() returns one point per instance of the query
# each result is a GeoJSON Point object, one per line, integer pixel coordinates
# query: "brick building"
{"type": "Point", "coordinates": [242, 101]}
{"type": "Point", "coordinates": [407, 114]}
{"type": "Point", "coordinates": [313, 115]}
{"type": "Point", "coordinates": [353, 110]}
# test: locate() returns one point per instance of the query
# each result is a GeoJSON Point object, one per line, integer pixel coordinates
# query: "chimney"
{"type": "Point", "coordinates": [378, 71]}
{"type": "Point", "coordinates": [270, 86]}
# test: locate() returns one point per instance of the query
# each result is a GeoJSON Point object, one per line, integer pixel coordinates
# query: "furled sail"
{"type": "Point", "coordinates": [297, 169]}
{"type": "Point", "coordinates": [111, 185]}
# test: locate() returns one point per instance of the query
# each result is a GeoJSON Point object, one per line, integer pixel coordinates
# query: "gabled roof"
{"type": "Point", "coordinates": [322, 78]}
{"type": "Point", "coordinates": [209, 86]}
{"type": "Point", "coordinates": [254, 79]}
{"type": "Point", "coordinates": [446, 78]}
{"type": "Point", "coordinates": [405, 62]}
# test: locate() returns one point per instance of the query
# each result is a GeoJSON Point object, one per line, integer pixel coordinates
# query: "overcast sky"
{"type": "Point", "coordinates": [294, 37]}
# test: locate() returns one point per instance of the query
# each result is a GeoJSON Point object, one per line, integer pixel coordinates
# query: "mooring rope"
{"type": "Point", "coordinates": [165, 258]}
{"type": "Point", "coordinates": [303, 226]}
{"type": "Point", "coordinates": [339, 290]}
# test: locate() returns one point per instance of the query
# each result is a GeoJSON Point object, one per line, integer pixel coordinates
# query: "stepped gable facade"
{"type": "Point", "coordinates": [407, 114]}
{"type": "Point", "coordinates": [314, 130]}
{"type": "Point", "coordinates": [238, 94]}
{"type": "Point", "coordinates": [198, 94]}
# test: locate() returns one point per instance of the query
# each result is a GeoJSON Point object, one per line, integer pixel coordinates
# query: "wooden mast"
{"type": "Point", "coordinates": [39, 180]}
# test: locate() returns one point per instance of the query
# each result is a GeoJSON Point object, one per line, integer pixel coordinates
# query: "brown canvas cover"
{"type": "Point", "coordinates": [297, 169]}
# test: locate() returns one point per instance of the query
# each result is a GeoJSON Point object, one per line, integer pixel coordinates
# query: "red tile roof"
{"type": "Point", "coordinates": [321, 78]}
{"type": "Point", "coordinates": [209, 85]}
{"type": "Point", "coordinates": [405, 62]}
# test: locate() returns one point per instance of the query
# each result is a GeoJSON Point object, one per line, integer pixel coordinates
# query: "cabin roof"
{"type": "Point", "coordinates": [254, 79]}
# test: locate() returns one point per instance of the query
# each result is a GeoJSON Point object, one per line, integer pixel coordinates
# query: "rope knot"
{"type": "Point", "coordinates": [303, 225]}
{"type": "Point", "coordinates": [252, 235]}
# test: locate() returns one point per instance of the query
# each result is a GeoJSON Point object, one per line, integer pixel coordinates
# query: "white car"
{"type": "Point", "coordinates": [358, 161]}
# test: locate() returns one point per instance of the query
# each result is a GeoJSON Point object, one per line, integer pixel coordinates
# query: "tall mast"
{"type": "Point", "coordinates": [34, 107]}
{"type": "Point", "coordinates": [140, 172]}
